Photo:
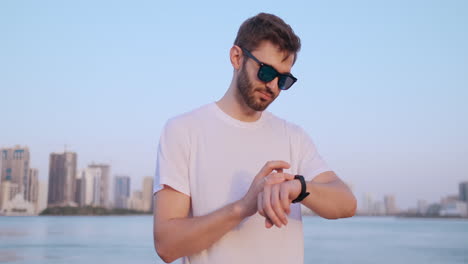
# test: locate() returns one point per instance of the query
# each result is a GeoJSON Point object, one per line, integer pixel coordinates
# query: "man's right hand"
{"type": "Point", "coordinates": [266, 176]}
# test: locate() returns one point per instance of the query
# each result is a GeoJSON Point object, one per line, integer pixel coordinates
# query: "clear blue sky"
{"type": "Point", "coordinates": [383, 85]}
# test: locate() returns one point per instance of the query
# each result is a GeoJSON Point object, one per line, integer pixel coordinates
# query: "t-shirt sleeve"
{"type": "Point", "coordinates": [172, 164]}
{"type": "Point", "coordinates": [310, 162]}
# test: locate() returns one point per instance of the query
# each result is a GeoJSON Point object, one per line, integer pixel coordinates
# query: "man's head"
{"type": "Point", "coordinates": [266, 39]}
{"type": "Point", "coordinates": [268, 27]}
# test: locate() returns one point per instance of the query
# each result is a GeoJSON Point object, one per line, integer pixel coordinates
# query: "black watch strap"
{"type": "Point", "coordinates": [303, 193]}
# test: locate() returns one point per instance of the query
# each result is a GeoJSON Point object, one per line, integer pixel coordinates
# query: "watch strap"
{"type": "Point", "coordinates": [303, 193]}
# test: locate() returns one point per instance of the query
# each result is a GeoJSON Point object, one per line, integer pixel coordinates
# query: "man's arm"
{"type": "Point", "coordinates": [177, 235]}
{"type": "Point", "coordinates": [329, 197]}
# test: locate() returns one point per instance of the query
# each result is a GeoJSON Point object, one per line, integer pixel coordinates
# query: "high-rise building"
{"type": "Point", "coordinates": [147, 194]}
{"type": "Point", "coordinates": [42, 197]}
{"type": "Point", "coordinates": [390, 205]}
{"type": "Point", "coordinates": [378, 208]}
{"type": "Point", "coordinates": [463, 191]}
{"type": "Point", "coordinates": [136, 201]}
{"type": "Point", "coordinates": [97, 188]}
{"type": "Point", "coordinates": [121, 191]}
{"type": "Point", "coordinates": [89, 187]}
{"type": "Point", "coordinates": [79, 188]}
{"type": "Point", "coordinates": [62, 177]}
{"type": "Point", "coordinates": [32, 186]}
{"type": "Point", "coordinates": [104, 183]}
{"type": "Point", "coordinates": [15, 167]}
{"type": "Point", "coordinates": [367, 206]}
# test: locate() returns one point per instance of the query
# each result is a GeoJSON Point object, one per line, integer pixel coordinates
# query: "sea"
{"type": "Point", "coordinates": [129, 239]}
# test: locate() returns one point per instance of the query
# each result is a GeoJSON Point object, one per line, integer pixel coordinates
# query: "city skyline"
{"type": "Point", "coordinates": [108, 186]}
{"type": "Point", "coordinates": [381, 85]}
{"type": "Point", "coordinates": [22, 193]}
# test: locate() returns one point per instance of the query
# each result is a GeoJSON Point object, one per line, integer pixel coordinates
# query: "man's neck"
{"type": "Point", "coordinates": [233, 105]}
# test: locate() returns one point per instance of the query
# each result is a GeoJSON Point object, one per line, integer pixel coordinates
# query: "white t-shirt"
{"type": "Point", "coordinates": [213, 158]}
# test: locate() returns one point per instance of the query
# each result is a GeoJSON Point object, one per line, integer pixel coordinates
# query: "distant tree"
{"type": "Point", "coordinates": [88, 210]}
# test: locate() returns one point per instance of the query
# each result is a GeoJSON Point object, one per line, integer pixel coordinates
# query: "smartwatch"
{"type": "Point", "coordinates": [303, 193]}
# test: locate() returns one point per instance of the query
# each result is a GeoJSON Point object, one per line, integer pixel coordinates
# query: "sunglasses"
{"type": "Point", "coordinates": [266, 73]}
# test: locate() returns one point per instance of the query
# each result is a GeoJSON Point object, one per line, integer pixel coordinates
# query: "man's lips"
{"type": "Point", "coordinates": [265, 95]}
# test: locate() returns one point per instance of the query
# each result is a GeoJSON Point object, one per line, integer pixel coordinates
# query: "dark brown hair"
{"type": "Point", "coordinates": [271, 28]}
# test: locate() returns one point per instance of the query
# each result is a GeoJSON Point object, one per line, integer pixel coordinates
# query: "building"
{"type": "Point", "coordinates": [367, 205]}
{"type": "Point", "coordinates": [8, 190]}
{"type": "Point", "coordinates": [390, 205]}
{"type": "Point", "coordinates": [62, 177]}
{"type": "Point", "coordinates": [42, 197]}
{"type": "Point", "coordinates": [433, 209]}
{"type": "Point", "coordinates": [147, 194]}
{"type": "Point", "coordinates": [378, 208]}
{"type": "Point", "coordinates": [121, 192]}
{"type": "Point", "coordinates": [79, 189]}
{"type": "Point", "coordinates": [422, 207]}
{"type": "Point", "coordinates": [88, 190]}
{"type": "Point", "coordinates": [449, 199]}
{"type": "Point", "coordinates": [32, 186]}
{"type": "Point", "coordinates": [15, 167]}
{"type": "Point", "coordinates": [454, 208]}
{"type": "Point", "coordinates": [306, 211]}
{"type": "Point", "coordinates": [97, 188]}
{"type": "Point", "coordinates": [17, 206]}
{"type": "Point", "coordinates": [136, 201]}
{"type": "Point", "coordinates": [104, 183]}
{"type": "Point", "coordinates": [463, 192]}
{"type": "Point", "coordinates": [450, 205]}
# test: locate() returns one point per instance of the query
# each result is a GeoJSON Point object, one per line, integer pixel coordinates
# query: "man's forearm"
{"type": "Point", "coordinates": [186, 236]}
{"type": "Point", "coordinates": [177, 235]}
{"type": "Point", "coordinates": [331, 200]}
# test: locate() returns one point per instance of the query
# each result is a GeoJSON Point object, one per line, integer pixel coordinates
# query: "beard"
{"type": "Point", "coordinates": [247, 92]}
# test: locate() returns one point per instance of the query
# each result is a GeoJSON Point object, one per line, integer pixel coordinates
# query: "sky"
{"type": "Point", "coordinates": [382, 85]}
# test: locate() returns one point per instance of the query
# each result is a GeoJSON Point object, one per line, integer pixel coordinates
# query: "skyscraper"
{"type": "Point", "coordinates": [15, 167]}
{"type": "Point", "coordinates": [88, 191]}
{"type": "Point", "coordinates": [390, 205]}
{"type": "Point", "coordinates": [79, 188]}
{"type": "Point", "coordinates": [136, 201]}
{"type": "Point", "coordinates": [104, 183]}
{"type": "Point", "coordinates": [42, 197]}
{"type": "Point", "coordinates": [121, 191]}
{"type": "Point", "coordinates": [367, 207]}
{"type": "Point", "coordinates": [62, 176]}
{"type": "Point", "coordinates": [32, 186]}
{"type": "Point", "coordinates": [147, 194]}
{"type": "Point", "coordinates": [463, 191]}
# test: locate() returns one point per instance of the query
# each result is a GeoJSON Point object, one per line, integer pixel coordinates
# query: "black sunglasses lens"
{"type": "Point", "coordinates": [285, 82]}
{"type": "Point", "coordinates": [267, 73]}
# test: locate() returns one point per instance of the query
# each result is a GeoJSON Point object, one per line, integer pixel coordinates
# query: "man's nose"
{"type": "Point", "coordinates": [273, 85]}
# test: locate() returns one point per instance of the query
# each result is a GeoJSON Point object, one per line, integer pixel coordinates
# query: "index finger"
{"type": "Point", "coordinates": [270, 166]}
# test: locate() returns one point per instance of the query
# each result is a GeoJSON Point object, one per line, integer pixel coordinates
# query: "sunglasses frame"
{"type": "Point", "coordinates": [264, 65]}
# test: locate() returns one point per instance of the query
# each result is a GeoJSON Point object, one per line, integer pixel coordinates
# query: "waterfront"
{"type": "Point", "coordinates": [128, 239]}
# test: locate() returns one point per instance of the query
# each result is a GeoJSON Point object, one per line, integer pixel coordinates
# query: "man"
{"type": "Point", "coordinates": [214, 202]}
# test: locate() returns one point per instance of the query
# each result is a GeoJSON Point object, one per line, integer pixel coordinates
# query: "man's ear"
{"type": "Point", "coordinates": [235, 54]}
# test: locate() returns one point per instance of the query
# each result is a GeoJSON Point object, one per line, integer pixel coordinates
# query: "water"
{"type": "Point", "coordinates": [386, 240]}
{"type": "Point", "coordinates": [128, 239]}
